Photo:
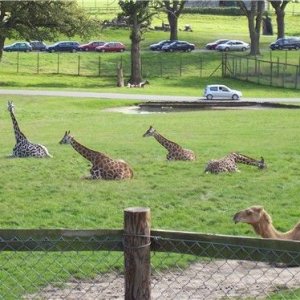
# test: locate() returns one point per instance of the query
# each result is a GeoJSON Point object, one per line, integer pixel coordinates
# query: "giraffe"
{"type": "Point", "coordinates": [175, 152]}
{"type": "Point", "coordinates": [23, 147]}
{"type": "Point", "coordinates": [103, 167]}
{"type": "Point", "coordinates": [229, 163]}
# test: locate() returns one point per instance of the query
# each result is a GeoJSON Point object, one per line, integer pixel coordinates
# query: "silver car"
{"type": "Point", "coordinates": [221, 92]}
{"type": "Point", "coordinates": [233, 45]}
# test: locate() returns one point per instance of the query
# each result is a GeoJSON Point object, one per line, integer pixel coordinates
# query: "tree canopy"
{"type": "Point", "coordinates": [42, 20]}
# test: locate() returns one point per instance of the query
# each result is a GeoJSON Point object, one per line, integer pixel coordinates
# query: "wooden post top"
{"type": "Point", "coordinates": [137, 209]}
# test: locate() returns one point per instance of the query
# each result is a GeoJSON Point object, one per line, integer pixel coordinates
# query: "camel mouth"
{"type": "Point", "coordinates": [236, 219]}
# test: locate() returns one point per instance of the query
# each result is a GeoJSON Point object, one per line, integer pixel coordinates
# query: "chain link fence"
{"type": "Point", "coordinates": [60, 264]}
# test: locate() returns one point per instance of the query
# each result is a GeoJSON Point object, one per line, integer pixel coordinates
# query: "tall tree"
{"type": "Point", "coordinates": [138, 17]}
{"type": "Point", "coordinates": [173, 9]}
{"type": "Point", "coordinates": [279, 6]}
{"type": "Point", "coordinates": [253, 10]}
{"type": "Point", "coordinates": [42, 20]}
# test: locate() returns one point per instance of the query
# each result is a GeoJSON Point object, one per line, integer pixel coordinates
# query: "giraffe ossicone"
{"type": "Point", "coordinates": [103, 167]}
{"type": "Point", "coordinates": [230, 161]}
{"type": "Point", "coordinates": [23, 147]}
{"type": "Point", "coordinates": [175, 151]}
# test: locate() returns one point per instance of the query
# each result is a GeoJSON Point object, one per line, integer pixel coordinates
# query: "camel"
{"type": "Point", "coordinates": [261, 222]}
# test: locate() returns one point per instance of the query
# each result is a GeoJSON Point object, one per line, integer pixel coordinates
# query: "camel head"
{"type": "Point", "coordinates": [251, 215]}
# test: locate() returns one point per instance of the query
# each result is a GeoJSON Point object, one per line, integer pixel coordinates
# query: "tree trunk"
{"type": "Point", "coordinates": [2, 41]}
{"type": "Point", "coordinates": [173, 21]}
{"type": "Point", "coordinates": [254, 16]}
{"type": "Point", "coordinates": [136, 68]}
{"type": "Point", "coordinates": [280, 14]}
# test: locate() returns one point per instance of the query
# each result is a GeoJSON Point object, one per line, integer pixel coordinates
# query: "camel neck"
{"type": "Point", "coordinates": [265, 229]}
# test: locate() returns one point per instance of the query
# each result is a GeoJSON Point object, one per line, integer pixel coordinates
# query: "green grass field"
{"type": "Point", "coordinates": [49, 193]}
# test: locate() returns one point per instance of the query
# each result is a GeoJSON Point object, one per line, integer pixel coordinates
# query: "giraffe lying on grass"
{"type": "Point", "coordinates": [229, 163]}
{"type": "Point", "coordinates": [23, 147]}
{"type": "Point", "coordinates": [175, 152]}
{"type": "Point", "coordinates": [103, 167]}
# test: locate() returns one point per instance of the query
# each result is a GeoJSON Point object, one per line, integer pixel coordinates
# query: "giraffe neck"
{"type": "Point", "coordinates": [243, 159]}
{"type": "Point", "coordinates": [87, 153]}
{"type": "Point", "coordinates": [19, 135]}
{"type": "Point", "coordinates": [169, 145]}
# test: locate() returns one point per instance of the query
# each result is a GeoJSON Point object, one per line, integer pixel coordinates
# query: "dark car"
{"type": "Point", "coordinates": [111, 47]}
{"type": "Point", "coordinates": [91, 46]}
{"type": "Point", "coordinates": [67, 46]}
{"type": "Point", "coordinates": [159, 45]}
{"type": "Point", "coordinates": [213, 45]}
{"type": "Point", "coordinates": [18, 46]}
{"type": "Point", "coordinates": [179, 46]}
{"type": "Point", "coordinates": [286, 43]}
{"type": "Point", "coordinates": [38, 45]}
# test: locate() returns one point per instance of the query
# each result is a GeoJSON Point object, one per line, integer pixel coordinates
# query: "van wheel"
{"type": "Point", "coordinates": [209, 97]}
{"type": "Point", "coordinates": [235, 97]}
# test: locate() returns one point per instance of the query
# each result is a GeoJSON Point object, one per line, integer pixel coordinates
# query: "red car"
{"type": "Point", "coordinates": [91, 46]}
{"type": "Point", "coordinates": [111, 47]}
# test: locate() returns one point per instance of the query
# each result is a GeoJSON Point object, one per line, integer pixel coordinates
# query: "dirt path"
{"type": "Point", "coordinates": [210, 281]}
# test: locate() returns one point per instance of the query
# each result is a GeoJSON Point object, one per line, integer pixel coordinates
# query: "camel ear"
{"type": "Point", "coordinates": [258, 208]}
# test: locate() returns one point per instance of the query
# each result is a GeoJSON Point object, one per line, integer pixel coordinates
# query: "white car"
{"type": "Point", "coordinates": [222, 92]}
{"type": "Point", "coordinates": [233, 45]}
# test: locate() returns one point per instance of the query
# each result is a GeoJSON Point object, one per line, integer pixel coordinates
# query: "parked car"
{"type": "Point", "coordinates": [178, 46]}
{"type": "Point", "coordinates": [67, 46]}
{"type": "Point", "coordinates": [91, 46]}
{"type": "Point", "coordinates": [18, 46]}
{"type": "Point", "coordinates": [111, 47]}
{"type": "Point", "coordinates": [286, 43]}
{"type": "Point", "coordinates": [233, 45]}
{"type": "Point", "coordinates": [38, 45]}
{"type": "Point", "coordinates": [221, 91]}
{"type": "Point", "coordinates": [213, 45]}
{"type": "Point", "coordinates": [159, 45]}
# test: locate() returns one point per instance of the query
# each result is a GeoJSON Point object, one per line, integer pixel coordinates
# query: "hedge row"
{"type": "Point", "coordinates": [224, 11]}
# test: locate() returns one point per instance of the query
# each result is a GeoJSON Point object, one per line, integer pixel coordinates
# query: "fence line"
{"type": "Point", "coordinates": [93, 64]}
{"type": "Point", "coordinates": [273, 73]}
{"type": "Point", "coordinates": [89, 264]}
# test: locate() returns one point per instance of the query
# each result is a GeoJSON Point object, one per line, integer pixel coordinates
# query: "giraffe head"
{"type": "Point", "coordinates": [261, 163]}
{"type": "Point", "coordinates": [10, 106]}
{"type": "Point", "coordinates": [149, 132]}
{"type": "Point", "coordinates": [66, 138]}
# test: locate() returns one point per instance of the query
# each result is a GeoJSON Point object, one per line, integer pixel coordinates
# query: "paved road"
{"type": "Point", "coordinates": [78, 94]}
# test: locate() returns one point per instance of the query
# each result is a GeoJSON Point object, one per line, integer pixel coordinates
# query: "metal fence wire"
{"type": "Point", "coordinates": [90, 265]}
{"type": "Point", "coordinates": [273, 73]}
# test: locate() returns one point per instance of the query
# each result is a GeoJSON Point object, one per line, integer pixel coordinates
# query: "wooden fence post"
{"type": "Point", "coordinates": [137, 253]}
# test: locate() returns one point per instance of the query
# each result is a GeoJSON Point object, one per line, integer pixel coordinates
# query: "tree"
{"type": "Point", "coordinates": [138, 17]}
{"type": "Point", "coordinates": [254, 12]}
{"type": "Point", "coordinates": [42, 20]}
{"type": "Point", "coordinates": [279, 6]}
{"type": "Point", "coordinates": [173, 9]}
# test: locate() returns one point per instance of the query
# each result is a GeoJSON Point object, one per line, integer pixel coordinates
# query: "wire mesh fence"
{"type": "Point", "coordinates": [53, 264]}
{"type": "Point", "coordinates": [273, 73]}
{"type": "Point", "coordinates": [105, 65]}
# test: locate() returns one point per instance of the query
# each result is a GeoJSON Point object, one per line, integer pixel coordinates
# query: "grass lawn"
{"type": "Point", "coordinates": [49, 193]}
